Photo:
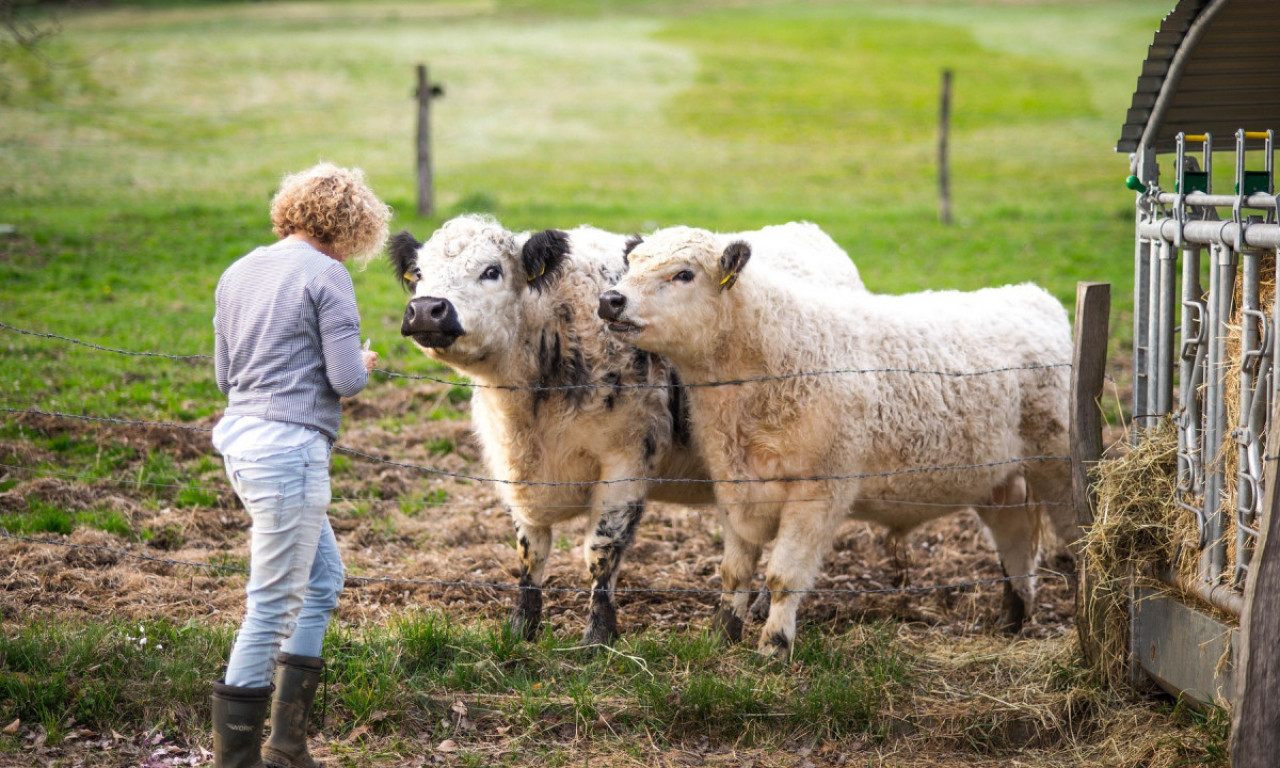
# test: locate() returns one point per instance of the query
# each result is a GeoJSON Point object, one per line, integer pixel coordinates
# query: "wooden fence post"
{"type": "Point", "coordinates": [425, 93]}
{"type": "Point", "coordinates": [944, 133]}
{"type": "Point", "coordinates": [1255, 724]}
{"type": "Point", "coordinates": [1088, 365]}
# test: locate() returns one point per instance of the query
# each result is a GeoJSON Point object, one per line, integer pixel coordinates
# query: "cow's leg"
{"type": "Point", "coordinates": [736, 570]}
{"type": "Point", "coordinates": [805, 536]}
{"type": "Point", "coordinates": [533, 543]}
{"type": "Point", "coordinates": [620, 506]}
{"type": "Point", "coordinates": [1015, 529]}
{"type": "Point", "coordinates": [760, 606]}
{"type": "Point", "coordinates": [897, 544]}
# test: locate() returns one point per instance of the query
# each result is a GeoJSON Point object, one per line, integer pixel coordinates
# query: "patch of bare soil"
{"type": "Point", "coordinates": [444, 542]}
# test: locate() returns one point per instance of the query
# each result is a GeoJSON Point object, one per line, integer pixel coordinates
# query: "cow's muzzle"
{"type": "Point", "coordinates": [431, 322]}
{"type": "Point", "coordinates": [612, 305]}
{"type": "Point", "coordinates": [613, 308]}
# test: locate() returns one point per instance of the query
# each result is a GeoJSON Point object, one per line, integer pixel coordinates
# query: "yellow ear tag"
{"type": "Point", "coordinates": [540, 274]}
{"type": "Point", "coordinates": [726, 278]}
{"type": "Point", "coordinates": [408, 276]}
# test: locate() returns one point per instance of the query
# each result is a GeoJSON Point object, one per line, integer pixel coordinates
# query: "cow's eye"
{"type": "Point", "coordinates": [683, 276]}
{"type": "Point", "coordinates": [492, 272]}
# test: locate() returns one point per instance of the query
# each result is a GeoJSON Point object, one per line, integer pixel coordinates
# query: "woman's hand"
{"type": "Point", "coordinates": [370, 359]}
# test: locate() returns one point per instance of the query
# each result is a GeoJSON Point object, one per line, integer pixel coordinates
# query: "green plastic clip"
{"type": "Point", "coordinates": [1135, 184]}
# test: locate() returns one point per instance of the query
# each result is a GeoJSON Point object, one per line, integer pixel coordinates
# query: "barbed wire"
{"type": "Point", "coordinates": [26, 332]}
{"type": "Point", "coordinates": [508, 587]}
{"type": "Point", "coordinates": [578, 483]}
{"type": "Point", "coordinates": [606, 386]}
{"type": "Point", "coordinates": [424, 504]}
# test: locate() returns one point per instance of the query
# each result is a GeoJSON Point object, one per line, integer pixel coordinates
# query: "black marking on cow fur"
{"type": "Point", "coordinates": [402, 252]}
{"type": "Point", "coordinates": [1013, 613]}
{"type": "Point", "coordinates": [727, 623]}
{"type": "Point", "coordinates": [617, 527]}
{"type": "Point", "coordinates": [678, 405]}
{"type": "Point", "coordinates": [650, 448]}
{"type": "Point", "coordinates": [602, 621]}
{"type": "Point", "coordinates": [630, 246]}
{"type": "Point", "coordinates": [642, 361]}
{"type": "Point", "coordinates": [560, 366]}
{"type": "Point", "coordinates": [611, 379]}
{"type": "Point", "coordinates": [780, 641]}
{"type": "Point", "coordinates": [526, 617]}
{"type": "Point", "coordinates": [542, 256]}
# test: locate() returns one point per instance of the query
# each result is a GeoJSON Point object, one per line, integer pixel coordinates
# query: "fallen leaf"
{"type": "Point", "coordinates": [448, 745]}
{"type": "Point", "coordinates": [13, 727]}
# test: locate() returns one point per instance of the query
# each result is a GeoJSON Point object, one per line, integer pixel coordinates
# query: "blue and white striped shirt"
{"type": "Point", "coordinates": [287, 337]}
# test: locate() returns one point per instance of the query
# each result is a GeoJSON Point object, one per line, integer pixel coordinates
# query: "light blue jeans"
{"type": "Point", "coordinates": [295, 569]}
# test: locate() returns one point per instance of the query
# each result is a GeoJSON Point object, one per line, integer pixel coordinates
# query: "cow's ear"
{"type": "Point", "coordinates": [402, 251]}
{"type": "Point", "coordinates": [734, 258]}
{"type": "Point", "coordinates": [542, 256]}
{"type": "Point", "coordinates": [630, 246]}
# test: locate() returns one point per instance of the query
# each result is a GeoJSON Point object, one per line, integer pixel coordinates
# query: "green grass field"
{"type": "Point", "coordinates": [142, 163]}
{"type": "Point", "coordinates": [139, 151]}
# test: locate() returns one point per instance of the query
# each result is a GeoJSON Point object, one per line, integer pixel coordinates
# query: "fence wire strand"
{"type": "Point", "coordinates": [563, 483]}
{"type": "Point", "coordinates": [485, 505]}
{"type": "Point", "coordinates": [611, 387]}
{"type": "Point", "coordinates": [508, 587]}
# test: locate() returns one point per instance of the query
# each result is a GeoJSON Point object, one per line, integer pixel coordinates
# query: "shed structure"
{"type": "Point", "coordinates": [1206, 352]}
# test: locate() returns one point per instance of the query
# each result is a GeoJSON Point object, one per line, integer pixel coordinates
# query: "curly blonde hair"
{"type": "Point", "coordinates": [335, 206]}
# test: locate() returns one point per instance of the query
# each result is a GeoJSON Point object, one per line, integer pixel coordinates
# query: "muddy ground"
{"type": "Point", "coordinates": [436, 529]}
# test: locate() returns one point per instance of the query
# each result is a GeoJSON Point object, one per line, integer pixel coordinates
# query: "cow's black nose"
{"type": "Point", "coordinates": [611, 305]}
{"type": "Point", "coordinates": [431, 321]}
{"type": "Point", "coordinates": [425, 313]}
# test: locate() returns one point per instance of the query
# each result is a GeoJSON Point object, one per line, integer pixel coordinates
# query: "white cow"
{"type": "Point", "coordinates": [796, 449]}
{"type": "Point", "coordinates": [572, 420]}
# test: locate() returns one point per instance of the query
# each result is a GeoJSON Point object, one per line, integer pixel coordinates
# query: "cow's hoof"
{"type": "Point", "coordinates": [727, 623]}
{"type": "Point", "coordinates": [1013, 611]}
{"type": "Point", "coordinates": [775, 646]}
{"type": "Point", "coordinates": [759, 609]}
{"type": "Point", "coordinates": [602, 626]}
{"type": "Point", "coordinates": [525, 624]}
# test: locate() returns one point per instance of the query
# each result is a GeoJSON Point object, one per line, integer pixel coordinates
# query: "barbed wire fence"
{"type": "Point", "coordinates": [473, 478]}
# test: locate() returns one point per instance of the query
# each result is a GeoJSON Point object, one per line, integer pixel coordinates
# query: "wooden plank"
{"type": "Point", "coordinates": [1088, 366]}
{"type": "Point", "coordinates": [1255, 726]}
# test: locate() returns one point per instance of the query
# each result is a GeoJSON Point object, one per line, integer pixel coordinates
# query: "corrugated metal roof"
{"type": "Point", "coordinates": [1213, 67]}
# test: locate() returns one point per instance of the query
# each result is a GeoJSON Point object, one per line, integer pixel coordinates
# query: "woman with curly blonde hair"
{"type": "Point", "coordinates": [286, 349]}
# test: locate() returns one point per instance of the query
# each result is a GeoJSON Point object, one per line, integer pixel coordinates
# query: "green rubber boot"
{"type": "Point", "coordinates": [297, 678]}
{"type": "Point", "coordinates": [238, 714]}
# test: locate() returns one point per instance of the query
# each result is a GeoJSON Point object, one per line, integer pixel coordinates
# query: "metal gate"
{"type": "Point", "coordinates": [1213, 345]}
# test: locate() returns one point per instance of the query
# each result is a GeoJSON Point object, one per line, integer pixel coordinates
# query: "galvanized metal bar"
{"type": "Point", "coordinates": [1222, 288]}
{"type": "Point", "coordinates": [1224, 597]}
{"type": "Point", "coordinates": [1141, 329]}
{"type": "Point", "coordinates": [1146, 168]}
{"type": "Point", "coordinates": [1251, 234]}
{"type": "Point", "coordinates": [1192, 356]}
{"type": "Point", "coordinates": [1164, 334]}
{"type": "Point", "coordinates": [1211, 436]}
{"type": "Point", "coordinates": [1260, 200]}
{"type": "Point", "coordinates": [1248, 460]}
{"type": "Point", "coordinates": [1153, 372]}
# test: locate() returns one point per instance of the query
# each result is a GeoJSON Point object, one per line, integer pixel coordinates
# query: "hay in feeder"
{"type": "Point", "coordinates": [1137, 529]}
